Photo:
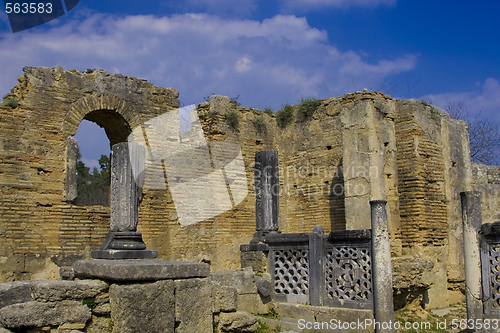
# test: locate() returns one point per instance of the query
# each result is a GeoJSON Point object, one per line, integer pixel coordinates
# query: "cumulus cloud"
{"type": "Point", "coordinates": [318, 4]}
{"type": "Point", "coordinates": [268, 63]}
{"type": "Point", "coordinates": [484, 99]}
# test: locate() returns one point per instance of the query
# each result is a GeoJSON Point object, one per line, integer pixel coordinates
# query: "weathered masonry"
{"type": "Point", "coordinates": [359, 147]}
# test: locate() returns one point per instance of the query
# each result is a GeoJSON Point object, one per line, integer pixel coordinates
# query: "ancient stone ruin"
{"type": "Point", "coordinates": [354, 149]}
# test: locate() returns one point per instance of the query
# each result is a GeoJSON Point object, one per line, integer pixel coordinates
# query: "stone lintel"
{"type": "Point", "coordinates": [139, 269]}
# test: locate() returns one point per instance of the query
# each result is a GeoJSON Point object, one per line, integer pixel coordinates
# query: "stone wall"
{"type": "Point", "coordinates": [355, 148]}
{"type": "Point", "coordinates": [486, 179]}
{"type": "Point", "coordinates": [230, 301]}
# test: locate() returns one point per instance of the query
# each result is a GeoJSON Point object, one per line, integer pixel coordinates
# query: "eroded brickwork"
{"type": "Point", "coordinates": [422, 201]}
{"type": "Point", "coordinates": [355, 148]}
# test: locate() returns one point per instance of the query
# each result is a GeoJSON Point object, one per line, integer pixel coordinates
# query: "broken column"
{"type": "Point", "coordinates": [123, 241]}
{"type": "Point", "coordinates": [266, 175]}
{"type": "Point", "coordinates": [472, 221]}
{"type": "Point", "coordinates": [383, 307]}
{"type": "Point", "coordinates": [266, 178]}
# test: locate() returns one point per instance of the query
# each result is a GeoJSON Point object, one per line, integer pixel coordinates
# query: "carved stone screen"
{"type": "Point", "coordinates": [490, 262]}
{"type": "Point", "coordinates": [347, 269]}
{"type": "Point", "coordinates": [289, 267]}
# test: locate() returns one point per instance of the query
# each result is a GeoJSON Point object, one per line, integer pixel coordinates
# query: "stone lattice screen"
{"type": "Point", "coordinates": [331, 270]}
{"type": "Point", "coordinates": [490, 262]}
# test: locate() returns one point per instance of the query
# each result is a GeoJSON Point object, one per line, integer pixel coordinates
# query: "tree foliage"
{"type": "Point", "coordinates": [484, 134]}
{"type": "Point", "coordinates": [93, 188]}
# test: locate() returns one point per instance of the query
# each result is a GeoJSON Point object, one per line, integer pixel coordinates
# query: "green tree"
{"type": "Point", "coordinates": [93, 188]}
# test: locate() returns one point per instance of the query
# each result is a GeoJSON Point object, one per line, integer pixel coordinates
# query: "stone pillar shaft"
{"type": "Point", "coordinates": [472, 221]}
{"type": "Point", "coordinates": [123, 241]}
{"type": "Point", "coordinates": [383, 306]}
{"type": "Point", "coordinates": [266, 176]}
{"type": "Point", "coordinates": [125, 193]}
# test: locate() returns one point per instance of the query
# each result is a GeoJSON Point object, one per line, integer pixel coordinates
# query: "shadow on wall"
{"type": "Point", "coordinates": [336, 199]}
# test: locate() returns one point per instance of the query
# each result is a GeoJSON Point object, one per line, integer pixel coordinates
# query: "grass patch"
{"type": "Point", "coordinates": [284, 116]}
{"type": "Point", "coordinates": [308, 106]}
{"type": "Point", "coordinates": [232, 118]}
{"type": "Point", "coordinates": [12, 102]}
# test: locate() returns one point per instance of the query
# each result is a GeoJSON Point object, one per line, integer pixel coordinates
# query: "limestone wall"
{"type": "Point", "coordinates": [355, 148]}
{"type": "Point", "coordinates": [230, 301]}
{"type": "Point", "coordinates": [486, 179]}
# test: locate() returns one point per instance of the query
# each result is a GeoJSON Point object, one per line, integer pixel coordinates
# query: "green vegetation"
{"type": "Point", "coordinates": [234, 101]}
{"type": "Point", "coordinates": [12, 102]}
{"type": "Point", "coordinates": [90, 302]}
{"type": "Point", "coordinates": [259, 123]}
{"type": "Point", "coordinates": [307, 106]}
{"type": "Point", "coordinates": [93, 188]}
{"type": "Point", "coordinates": [232, 118]}
{"type": "Point", "coordinates": [284, 116]}
{"type": "Point", "coordinates": [268, 110]}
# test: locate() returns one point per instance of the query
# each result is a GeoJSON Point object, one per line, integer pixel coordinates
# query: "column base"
{"type": "Point", "coordinates": [124, 245]}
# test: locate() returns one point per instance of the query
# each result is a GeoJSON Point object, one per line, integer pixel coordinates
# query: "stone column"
{"type": "Point", "coordinates": [383, 307]}
{"type": "Point", "coordinates": [316, 265]}
{"type": "Point", "coordinates": [266, 176]}
{"type": "Point", "coordinates": [123, 241]}
{"type": "Point", "coordinates": [472, 221]}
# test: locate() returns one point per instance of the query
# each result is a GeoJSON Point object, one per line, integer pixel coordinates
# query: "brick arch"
{"type": "Point", "coordinates": [108, 111]}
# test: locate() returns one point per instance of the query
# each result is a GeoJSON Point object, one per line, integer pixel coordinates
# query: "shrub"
{"type": "Point", "coordinates": [232, 118]}
{"type": "Point", "coordinates": [12, 102]}
{"type": "Point", "coordinates": [284, 115]}
{"type": "Point", "coordinates": [259, 123]}
{"type": "Point", "coordinates": [234, 101]}
{"type": "Point", "coordinates": [307, 106]}
{"type": "Point", "coordinates": [268, 110]}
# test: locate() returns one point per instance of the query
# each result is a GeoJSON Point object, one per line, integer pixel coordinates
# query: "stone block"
{"type": "Point", "coordinates": [264, 287]}
{"type": "Point", "coordinates": [44, 314]}
{"type": "Point", "coordinates": [145, 308]}
{"type": "Point", "coordinates": [296, 311]}
{"type": "Point", "coordinates": [100, 325]}
{"type": "Point", "coordinates": [102, 309]}
{"type": "Point", "coordinates": [324, 314]}
{"type": "Point", "coordinates": [241, 279]}
{"type": "Point", "coordinates": [252, 303]}
{"type": "Point", "coordinates": [193, 306]}
{"type": "Point", "coordinates": [139, 270]}
{"type": "Point", "coordinates": [237, 322]}
{"type": "Point", "coordinates": [224, 298]}
{"type": "Point", "coordinates": [51, 291]}
{"type": "Point", "coordinates": [15, 292]}
{"type": "Point", "coordinates": [257, 260]}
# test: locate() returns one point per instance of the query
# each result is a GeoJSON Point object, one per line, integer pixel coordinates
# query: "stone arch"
{"type": "Point", "coordinates": [110, 112]}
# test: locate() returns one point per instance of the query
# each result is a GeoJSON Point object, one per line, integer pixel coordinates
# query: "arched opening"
{"type": "Point", "coordinates": [96, 134]}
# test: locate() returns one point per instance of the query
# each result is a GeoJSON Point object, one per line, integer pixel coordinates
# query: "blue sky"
{"type": "Point", "coordinates": [273, 52]}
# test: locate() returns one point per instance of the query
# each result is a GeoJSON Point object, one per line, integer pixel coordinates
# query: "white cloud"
{"type": "Point", "coordinates": [267, 62]}
{"type": "Point", "coordinates": [318, 4]}
{"type": "Point", "coordinates": [485, 99]}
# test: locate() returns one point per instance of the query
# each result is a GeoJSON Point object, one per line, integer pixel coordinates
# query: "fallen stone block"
{"type": "Point", "coordinates": [15, 292]}
{"type": "Point", "coordinates": [51, 291]}
{"type": "Point", "coordinates": [241, 322]}
{"type": "Point", "coordinates": [39, 314]}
